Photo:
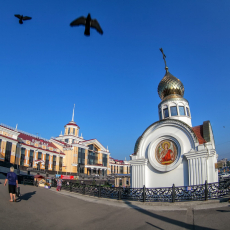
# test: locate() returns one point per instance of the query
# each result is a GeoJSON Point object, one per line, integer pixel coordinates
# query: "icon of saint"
{"type": "Point", "coordinates": [167, 155]}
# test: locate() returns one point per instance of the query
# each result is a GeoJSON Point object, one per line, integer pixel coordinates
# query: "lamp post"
{"type": "Point", "coordinates": [19, 150]}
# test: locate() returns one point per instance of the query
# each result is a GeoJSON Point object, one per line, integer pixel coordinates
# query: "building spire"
{"type": "Point", "coordinates": [166, 68]}
{"type": "Point", "coordinates": [73, 112]}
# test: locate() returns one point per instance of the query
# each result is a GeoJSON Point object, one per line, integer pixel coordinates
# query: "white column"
{"type": "Point", "coordinates": [191, 164]}
{"type": "Point", "coordinates": [177, 107]}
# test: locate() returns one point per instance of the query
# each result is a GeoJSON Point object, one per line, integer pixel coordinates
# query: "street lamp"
{"type": "Point", "coordinates": [19, 150]}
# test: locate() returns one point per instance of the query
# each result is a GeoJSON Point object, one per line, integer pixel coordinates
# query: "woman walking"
{"type": "Point", "coordinates": [13, 184]}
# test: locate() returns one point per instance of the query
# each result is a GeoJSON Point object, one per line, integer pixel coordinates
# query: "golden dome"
{"type": "Point", "coordinates": [170, 85]}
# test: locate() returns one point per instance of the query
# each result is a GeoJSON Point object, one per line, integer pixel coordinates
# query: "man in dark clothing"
{"type": "Point", "coordinates": [13, 184]}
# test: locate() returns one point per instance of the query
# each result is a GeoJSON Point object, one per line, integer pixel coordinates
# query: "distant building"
{"type": "Point", "coordinates": [68, 153]}
{"type": "Point", "coordinates": [28, 151]}
{"type": "Point", "coordinates": [223, 161]}
{"type": "Point", "coordinates": [121, 171]}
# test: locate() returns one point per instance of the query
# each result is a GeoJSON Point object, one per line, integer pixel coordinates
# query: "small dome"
{"type": "Point", "coordinates": [170, 85]}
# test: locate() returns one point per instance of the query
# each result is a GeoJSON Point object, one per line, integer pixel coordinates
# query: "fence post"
{"type": "Point", "coordinates": [84, 189]}
{"type": "Point", "coordinates": [99, 190]}
{"type": "Point", "coordinates": [173, 193]}
{"type": "Point", "coordinates": [143, 194]}
{"type": "Point", "coordinates": [119, 193]}
{"type": "Point", "coordinates": [206, 190]}
{"type": "Point", "coordinates": [70, 186]}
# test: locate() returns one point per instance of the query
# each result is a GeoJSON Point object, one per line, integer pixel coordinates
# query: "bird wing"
{"type": "Point", "coordinates": [94, 24]}
{"type": "Point", "coordinates": [17, 16]}
{"type": "Point", "coordinates": [78, 21]}
{"type": "Point", "coordinates": [26, 18]}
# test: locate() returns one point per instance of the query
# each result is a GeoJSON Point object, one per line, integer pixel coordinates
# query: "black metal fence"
{"type": "Point", "coordinates": [170, 194]}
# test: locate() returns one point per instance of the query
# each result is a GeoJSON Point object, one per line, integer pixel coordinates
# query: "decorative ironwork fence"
{"type": "Point", "coordinates": [171, 194]}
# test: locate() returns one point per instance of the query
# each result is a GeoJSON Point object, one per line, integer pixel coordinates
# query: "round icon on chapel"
{"type": "Point", "coordinates": [166, 152]}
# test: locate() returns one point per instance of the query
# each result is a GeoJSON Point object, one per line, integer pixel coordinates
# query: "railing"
{"type": "Point", "coordinates": [170, 194]}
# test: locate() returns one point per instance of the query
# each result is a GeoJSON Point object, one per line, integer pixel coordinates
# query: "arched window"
{"type": "Point", "coordinates": [181, 110]}
{"type": "Point", "coordinates": [173, 110]}
{"type": "Point", "coordinates": [166, 112]}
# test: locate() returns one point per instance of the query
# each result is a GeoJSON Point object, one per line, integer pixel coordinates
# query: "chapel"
{"type": "Point", "coordinates": [172, 151]}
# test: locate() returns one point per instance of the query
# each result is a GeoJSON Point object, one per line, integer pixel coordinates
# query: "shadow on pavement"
{"type": "Point", "coordinates": [223, 210]}
{"type": "Point", "coordinates": [166, 219]}
{"type": "Point", "coordinates": [26, 196]}
{"type": "Point", "coordinates": [154, 225]}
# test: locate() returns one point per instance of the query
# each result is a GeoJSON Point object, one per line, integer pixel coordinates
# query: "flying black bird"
{"type": "Point", "coordinates": [87, 22]}
{"type": "Point", "coordinates": [22, 18]}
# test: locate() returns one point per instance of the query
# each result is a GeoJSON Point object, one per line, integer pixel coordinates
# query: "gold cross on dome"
{"type": "Point", "coordinates": [164, 57]}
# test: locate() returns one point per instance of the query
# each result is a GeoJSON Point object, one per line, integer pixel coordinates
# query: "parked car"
{"type": "Point", "coordinates": [224, 175]}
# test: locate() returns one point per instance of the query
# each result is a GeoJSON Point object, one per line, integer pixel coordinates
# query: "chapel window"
{"type": "Point", "coordinates": [173, 111]}
{"type": "Point", "coordinates": [160, 114]}
{"type": "Point", "coordinates": [187, 109]}
{"type": "Point", "coordinates": [166, 112]}
{"type": "Point", "coordinates": [182, 111]}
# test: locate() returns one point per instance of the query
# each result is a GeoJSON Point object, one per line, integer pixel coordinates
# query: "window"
{"type": "Point", "coordinates": [181, 109]}
{"type": "Point", "coordinates": [104, 160]}
{"type": "Point", "coordinates": [31, 158]}
{"type": "Point", "coordinates": [187, 109]}
{"type": "Point", "coordinates": [160, 114]}
{"type": "Point", "coordinates": [166, 112]}
{"type": "Point", "coordinates": [127, 169]}
{"type": "Point", "coordinates": [121, 169]}
{"type": "Point", "coordinates": [173, 111]}
{"type": "Point", "coordinates": [68, 130]}
{"type": "Point", "coordinates": [60, 163]}
{"type": "Point", "coordinates": [90, 147]}
{"type": "Point", "coordinates": [66, 140]}
{"type": "Point", "coordinates": [81, 156]}
{"type": "Point", "coordinates": [47, 161]}
{"type": "Point", "coordinates": [22, 156]}
{"type": "Point", "coordinates": [8, 151]}
{"type": "Point", "coordinates": [1, 148]}
{"type": "Point", "coordinates": [16, 153]}
{"type": "Point", "coordinates": [92, 155]}
{"type": "Point", "coordinates": [73, 131]}
{"type": "Point", "coordinates": [39, 155]}
{"type": "Point", "coordinates": [54, 163]}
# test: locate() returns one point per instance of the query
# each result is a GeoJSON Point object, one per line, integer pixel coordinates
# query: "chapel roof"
{"type": "Point", "coordinates": [198, 130]}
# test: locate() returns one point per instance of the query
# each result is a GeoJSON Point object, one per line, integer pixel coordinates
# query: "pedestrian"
{"type": "Point", "coordinates": [59, 184]}
{"type": "Point", "coordinates": [12, 179]}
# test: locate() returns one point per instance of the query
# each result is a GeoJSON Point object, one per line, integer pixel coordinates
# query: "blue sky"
{"type": "Point", "coordinates": [46, 66]}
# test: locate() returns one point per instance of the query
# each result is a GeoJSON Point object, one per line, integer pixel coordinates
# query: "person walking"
{"type": "Point", "coordinates": [12, 179]}
{"type": "Point", "coordinates": [59, 184]}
